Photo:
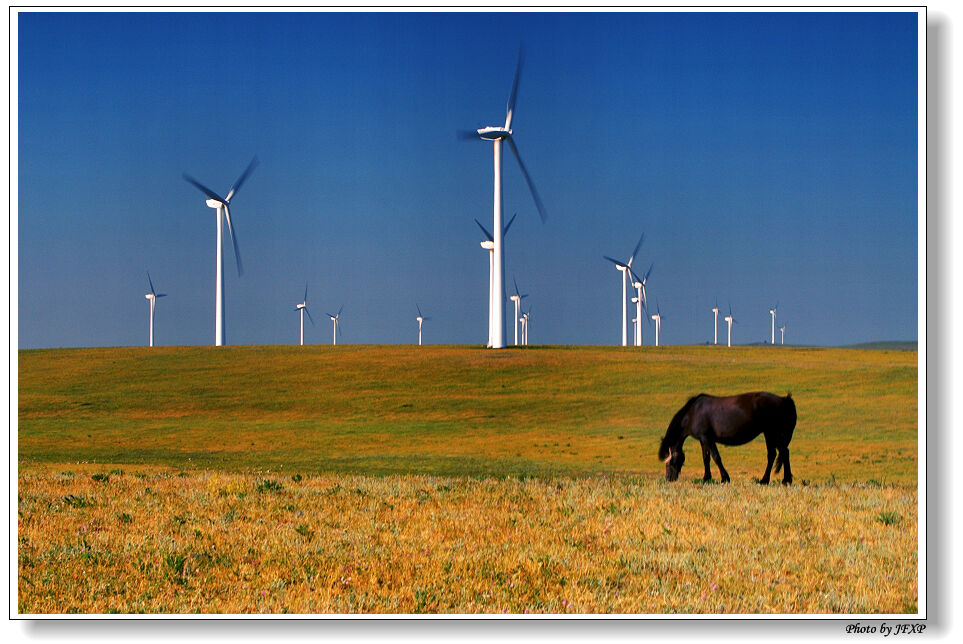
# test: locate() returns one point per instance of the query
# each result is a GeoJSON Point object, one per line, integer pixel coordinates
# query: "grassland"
{"type": "Point", "coordinates": [456, 480]}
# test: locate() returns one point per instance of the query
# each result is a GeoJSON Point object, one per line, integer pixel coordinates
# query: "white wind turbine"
{"type": "Point", "coordinates": [624, 268]}
{"type": "Point", "coordinates": [715, 323]}
{"type": "Point", "coordinates": [782, 330]}
{"type": "Point", "coordinates": [152, 298]}
{"type": "Point", "coordinates": [335, 319]}
{"type": "Point", "coordinates": [772, 312]}
{"type": "Point", "coordinates": [517, 299]}
{"type": "Point", "coordinates": [421, 318]}
{"type": "Point", "coordinates": [658, 322]}
{"type": "Point", "coordinates": [223, 214]}
{"type": "Point", "coordinates": [730, 320]}
{"type": "Point", "coordinates": [303, 308]}
{"type": "Point", "coordinates": [497, 135]}
{"type": "Point", "coordinates": [641, 301]}
{"type": "Point", "coordinates": [489, 245]}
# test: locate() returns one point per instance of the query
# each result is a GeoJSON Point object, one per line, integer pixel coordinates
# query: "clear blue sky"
{"type": "Point", "coordinates": [768, 157]}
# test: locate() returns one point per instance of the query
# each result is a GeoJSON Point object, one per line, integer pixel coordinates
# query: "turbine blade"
{"type": "Point", "coordinates": [419, 311]}
{"type": "Point", "coordinates": [467, 135]}
{"type": "Point", "coordinates": [230, 229]}
{"type": "Point", "coordinates": [197, 184]}
{"type": "Point", "coordinates": [341, 309]}
{"type": "Point", "coordinates": [151, 283]}
{"type": "Point", "coordinates": [508, 225]}
{"type": "Point", "coordinates": [510, 109]}
{"type": "Point", "coordinates": [485, 230]}
{"type": "Point", "coordinates": [309, 315]}
{"type": "Point", "coordinates": [160, 295]}
{"type": "Point", "coordinates": [531, 186]}
{"type": "Point", "coordinates": [637, 247]}
{"type": "Point", "coordinates": [516, 285]}
{"type": "Point", "coordinates": [241, 179]}
{"type": "Point", "coordinates": [305, 293]}
{"type": "Point", "coordinates": [615, 261]}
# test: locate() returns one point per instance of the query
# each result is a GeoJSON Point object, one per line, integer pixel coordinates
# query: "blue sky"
{"type": "Point", "coordinates": [768, 157]}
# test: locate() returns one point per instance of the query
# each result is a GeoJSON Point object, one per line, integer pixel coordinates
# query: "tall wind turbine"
{"type": "Point", "coordinates": [782, 330]}
{"type": "Point", "coordinates": [624, 268]}
{"type": "Point", "coordinates": [303, 308]}
{"type": "Point", "coordinates": [658, 322]}
{"type": "Point", "coordinates": [489, 245]}
{"type": "Point", "coordinates": [223, 214]}
{"type": "Point", "coordinates": [731, 321]}
{"type": "Point", "coordinates": [772, 312]}
{"type": "Point", "coordinates": [715, 323]}
{"type": "Point", "coordinates": [641, 301]}
{"type": "Point", "coordinates": [517, 299]}
{"type": "Point", "coordinates": [497, 135]}
{"type": "Point", "coordinates": [421, 318]}
{"type": "Point", "coordinates": [152, 298]}
{"type": "Point", "coordinates": [335, 319]}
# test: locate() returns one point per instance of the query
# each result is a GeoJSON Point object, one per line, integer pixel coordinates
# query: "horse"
{"type": "Point", "coordinates": [731, 420]}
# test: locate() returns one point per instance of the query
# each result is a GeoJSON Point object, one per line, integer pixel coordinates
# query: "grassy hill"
{"type": "Point", "coordinates": [454, 410]}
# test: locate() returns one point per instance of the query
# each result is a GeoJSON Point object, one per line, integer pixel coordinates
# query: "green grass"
{"type": "Point", "coordinates": [456, 411]}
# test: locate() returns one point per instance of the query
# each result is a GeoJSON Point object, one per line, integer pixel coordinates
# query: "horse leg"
{"type": "Point", "coordinates": [771, 456]}
{"type": "Point", "coordinates": [784, 459]}
{"type": "Point", "coordinates": [705, 460]}
{"type": "Point", "coordinates": [723, 474]}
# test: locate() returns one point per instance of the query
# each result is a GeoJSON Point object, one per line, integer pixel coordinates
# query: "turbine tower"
{"type": "Point", "coordinates": [624, 268]}
{"type": "Point", "coordinates": [303, 308]}
{"type": "Point", "coordinates": [335, 319]}
{"type": "Point", "coordinates": [489, 245]}
{"type": "Point", "coordinates": [517, 299]}
{"type": "Point", "coordinates": [421, 318]}
{"type": "Point", "coordinates": [772, 312]}
{"type": "Point", "coordinates": [223, 214]}
{"type": "Point", "coordinates": [152, 298]}
{"type": "Point", "coordinates": [641, 302]}
{"type": "Point", "coordinates": [497, 135]}
{"type": "Point", "coordinates": [715, 323]}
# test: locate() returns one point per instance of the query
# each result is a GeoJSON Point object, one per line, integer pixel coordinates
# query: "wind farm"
{"type": "Point", "coordinates": [257, 471]}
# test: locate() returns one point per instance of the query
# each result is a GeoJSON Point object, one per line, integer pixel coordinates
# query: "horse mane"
{"type": "Point", "coordinates": [674, 431]}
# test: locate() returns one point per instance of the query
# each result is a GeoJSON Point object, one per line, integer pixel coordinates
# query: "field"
{"type": "Point", "coordinates": [456, 480]}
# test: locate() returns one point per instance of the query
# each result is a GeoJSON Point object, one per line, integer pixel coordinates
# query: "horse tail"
{"type": "Point", "coordinates": [675, 429]}
{"type": "Point", "coordinates": [787, 409]}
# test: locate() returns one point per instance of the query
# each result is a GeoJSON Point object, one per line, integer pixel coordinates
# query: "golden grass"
{"type": "Point", "coordinates": [155, 540]}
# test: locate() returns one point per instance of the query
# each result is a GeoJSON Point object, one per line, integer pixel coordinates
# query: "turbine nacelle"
{"type": "Point", "coordinates": [488, 245]}
{"type": "Point", "coordinates": [494, 133]}
{"type": "Point", "coordinates": [213, 203]}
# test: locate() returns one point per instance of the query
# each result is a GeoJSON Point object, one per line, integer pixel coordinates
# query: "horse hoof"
{"type": "Point", "coordinates": [763, 481]}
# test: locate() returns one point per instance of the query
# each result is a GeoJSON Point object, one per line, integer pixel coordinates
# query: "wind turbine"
{"type": "Point", "coordinates": [658, 322]}
{"type": "Point", "coordinates": [517, 299]}
{"type": "Point", "coordinates": [223, 214]}
{"type": "Point", "coordinates": [335, 319]}
{"type": "Point", "coordinates": [715, 323]}
{"type": "Point", "coordinates": [623, 268]}
{"type": "Point", "coordinates": [497, 135]}
{"type": "Point", "coordinates": [782, 330]}
{"type": "Point", "coordinates": [526, 323]}
{"type": "Point", "coordinates": [489, 245]}
{"type": "Point", "coordinates": [731, 321]}
{"type": "Point", "coordinates": [421, 318]}
{"type": "Point", "coordinates": [641, 302]}
{"type": "Point", "coordinates": [303, 308]}
{"type": "Point", "coordinates": [772, 312]}
{"type": "Point", "coordinates": [152, 298]}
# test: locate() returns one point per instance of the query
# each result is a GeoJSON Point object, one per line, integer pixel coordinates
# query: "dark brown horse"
{"type": "Point", "coordinates": [733, 420]}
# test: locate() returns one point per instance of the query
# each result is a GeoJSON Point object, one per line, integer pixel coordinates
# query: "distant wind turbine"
{"type": "Point", "coordinates": [152, 298]}
{"type": "Point", "coordinates": [421, 318]}
{"type": "Point", "coordinates": [772, 312]}
{"type": "Point", "coordinates": [715, 323]}
{"type": "Point", "coordinates": [489, 245]}
{"type": "Point", "coordinates": [335, 319]}
{"type": "Point", "coordinates": [303, 308]}
{"type": "Point", "coordinates": [517, 299]}
{"type": "Point", "coordinates": [223, 214]}
{"type": "Point", "coordinates": [641, 300]}
{"type": "Point", "coordinates": [782, 330]}
{"type": "Point", "coordinates": [731, 321]}
{"type": "Point", "coordinates": [624, 268]}
{"type": "Point", "coordinates": [658, 322]}
{"type": "Point", "coordinates": [497, 135]}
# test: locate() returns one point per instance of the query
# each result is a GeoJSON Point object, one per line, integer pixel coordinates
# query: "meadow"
{"type": "Point", "coordinates": [456, 480]}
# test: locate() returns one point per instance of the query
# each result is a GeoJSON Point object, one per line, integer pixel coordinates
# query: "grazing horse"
{"type": "Point", "coordinates": [733, 420]}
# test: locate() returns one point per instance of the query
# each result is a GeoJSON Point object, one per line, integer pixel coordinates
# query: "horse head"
{"type": "Point", "coordinates": [673, 463]}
